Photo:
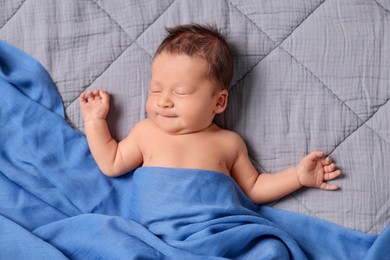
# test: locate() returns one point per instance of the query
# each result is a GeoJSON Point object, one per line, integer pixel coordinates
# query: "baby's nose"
{"type": "Point", "coordinates": [165, 101]}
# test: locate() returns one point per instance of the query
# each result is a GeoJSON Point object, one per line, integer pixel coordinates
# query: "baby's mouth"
{"type": "Point", "coordinates": [167, 115]}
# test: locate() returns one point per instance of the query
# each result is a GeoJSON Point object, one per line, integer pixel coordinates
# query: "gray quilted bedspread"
{"type": "Point", "coordinates": [309, 74]}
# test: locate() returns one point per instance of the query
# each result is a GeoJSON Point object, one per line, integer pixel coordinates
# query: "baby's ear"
{"type": "Point", "coordinates": [221, 101]}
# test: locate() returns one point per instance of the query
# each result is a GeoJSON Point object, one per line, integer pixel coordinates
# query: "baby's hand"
{"type": "Point", "coordinates": [314, 171]}
{"type": "Point", "coordinates": [95, 105]}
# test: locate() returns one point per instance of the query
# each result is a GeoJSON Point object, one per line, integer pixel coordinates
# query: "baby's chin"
{"type": "Point", "coordinates": [175, 129]}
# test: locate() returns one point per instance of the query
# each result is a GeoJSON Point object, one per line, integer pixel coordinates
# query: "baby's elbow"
{"type": "Point", "coordinates": [257, 197]}
{"type": "Point", "coordinates": [116, 170]}
{"type": "Point", "coordinates": [255, 200]}
{"type": "Point", "coordinates": [110, 172]}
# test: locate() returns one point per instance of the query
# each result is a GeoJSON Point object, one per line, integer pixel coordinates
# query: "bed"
{"type": "Point", "coordinates": [309, 75]}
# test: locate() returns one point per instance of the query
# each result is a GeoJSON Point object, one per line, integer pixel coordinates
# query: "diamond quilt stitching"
{"type": "Point", "coordinates": [13, 14]}
{"type": "Point", "coordinates": [288, 33]}
{"type": "Point", "coordinates": [363, 122]}
{"type": "Point", "coordinates": [111, 18]}
{"type": "Point", "coordinates": [385, 6]}
{"type": "Point", "coordinates": [124, 50]}
{"type": "Point", "coordinates": [277, 44]}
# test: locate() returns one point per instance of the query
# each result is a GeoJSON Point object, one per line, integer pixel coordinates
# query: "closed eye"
{"type": "Point", "coordinates": [155, 91]}
{"type": "Point", "coordinates": [181, 93]}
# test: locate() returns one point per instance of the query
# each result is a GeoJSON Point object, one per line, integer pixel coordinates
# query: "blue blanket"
{"type": "Point", "coordinates": [56, 204]}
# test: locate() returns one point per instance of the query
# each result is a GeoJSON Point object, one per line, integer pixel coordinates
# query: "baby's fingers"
{"type": "Point", "coordinates": [105, 96]}
{"type": "Point", "coordinates": [331, 175]}
{"type": "Point", "coordinates": [326, 161]}
{"type": "Point", "coordinates": [330, 168]}
{"type": "Point", "coordinates": [328, 186]}
{"type": "Point", "coordinates": [315, 155]}
{"type": "Point", "coordinates": [90, 94]}
{"type": "Point", "coordinates": [83, 98]}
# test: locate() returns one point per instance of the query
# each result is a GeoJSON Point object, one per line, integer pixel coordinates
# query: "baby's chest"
{"type": "Point", "coordinates": [191, 154]}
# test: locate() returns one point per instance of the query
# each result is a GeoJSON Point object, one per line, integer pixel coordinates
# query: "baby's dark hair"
{"type": "Point", "coordinates": [202, 41]}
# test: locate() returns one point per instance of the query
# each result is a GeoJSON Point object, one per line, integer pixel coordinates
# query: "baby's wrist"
{"type": "Point", "coordinates": [94, 119]}
{"type": "Point", "coordinates": [297, 176]}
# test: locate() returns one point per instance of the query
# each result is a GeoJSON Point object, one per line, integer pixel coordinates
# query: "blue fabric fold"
{"type": "Point", "coordinates": [55, 203]}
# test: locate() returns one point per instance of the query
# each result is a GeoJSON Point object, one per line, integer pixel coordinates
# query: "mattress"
{"type": "Point", "coordinates": [309, 75]}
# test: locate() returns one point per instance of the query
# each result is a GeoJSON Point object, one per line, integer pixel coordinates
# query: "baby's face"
{"type": "Point", "coordinates": [181, 98]}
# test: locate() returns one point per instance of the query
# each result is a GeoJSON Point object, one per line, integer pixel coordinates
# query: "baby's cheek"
{"type": "Point", "coordinates": [149, 105]}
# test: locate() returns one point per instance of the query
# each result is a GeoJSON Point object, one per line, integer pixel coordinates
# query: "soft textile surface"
{"type": "Point", "coordinates": [56, 204]}
{"type": "Point", "coordinates": [309, 74]}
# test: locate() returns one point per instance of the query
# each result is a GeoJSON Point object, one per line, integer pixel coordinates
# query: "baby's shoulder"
{"type": "Point", "coordinates": [143, 127]}
{"type": "Point", "coordinates": [230, 138]}
{"type": "Point", "coordinates": [231, 144]}
{"type": "Point", "coordinates": [229, 134]}
{"type": "Point", "coordinates": [144, 123]}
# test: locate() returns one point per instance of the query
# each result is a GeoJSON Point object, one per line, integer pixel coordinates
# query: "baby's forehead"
{"type": "Point", "coordinates": [173, 55]}
{"type": "Point", "coordinates": [167, 59]}
{"type": "Point", "coordinates": [162, 61]}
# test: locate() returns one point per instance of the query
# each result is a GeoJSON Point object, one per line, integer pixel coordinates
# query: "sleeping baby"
{"type": "Point", "coordinates": [191, 71]}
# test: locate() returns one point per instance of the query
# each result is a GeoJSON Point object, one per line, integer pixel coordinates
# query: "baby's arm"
{"type": "Point", "coordinates": [113, 158]}
{"type": "Point", "coordinates": [312, 171]}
